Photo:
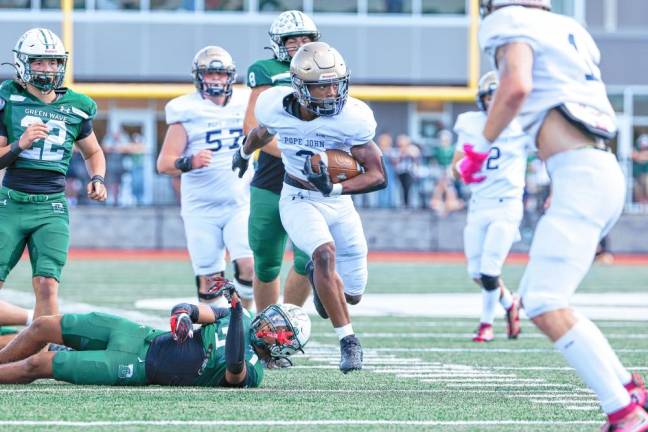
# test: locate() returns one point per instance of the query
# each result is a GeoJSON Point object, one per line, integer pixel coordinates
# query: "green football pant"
{"type": "Point", "coordinates": [268, 238]}
{"type": "Point", "coordinates": [110, 350]}
{"type": "Point", "coordinates": [41, 222]}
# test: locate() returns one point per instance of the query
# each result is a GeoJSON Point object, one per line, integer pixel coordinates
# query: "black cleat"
{"type": "Point", "coordinates": [351, 354]}
{"type": "Point", "coordinates": [319, 307]}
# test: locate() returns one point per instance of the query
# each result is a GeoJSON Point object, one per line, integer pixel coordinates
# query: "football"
{"type": "Point", "coordinates": [341, 165]}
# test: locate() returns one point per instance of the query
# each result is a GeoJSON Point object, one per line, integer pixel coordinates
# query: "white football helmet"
{"type": "Point", "coordinates": [317, 63]}
{"type": "Point", "coordinates": [287, 324]}
{"type": "Point", "coordinates": [487, 6]}
{"type": "Point", "coordinates": [40, 43]}
{"type": "Point", "coordinates": [213, 59]}
{"type": "Point", "coordinates": [287, 24]}
{"type": "Point", "coordinates": [487, 86]}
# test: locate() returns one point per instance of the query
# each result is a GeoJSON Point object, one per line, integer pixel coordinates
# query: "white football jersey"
{"type": "Point", "coordinates": [354, 125]}
{"type": "Point", "coordinates": [505, 167]}
{"type": "Point", "coordinates": [220, 129]}
{"type": "Point", "coordinates": [565, 61]}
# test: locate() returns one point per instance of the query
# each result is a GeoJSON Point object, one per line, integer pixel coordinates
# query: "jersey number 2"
{"type": "Point", "coordinates": [51, 148]}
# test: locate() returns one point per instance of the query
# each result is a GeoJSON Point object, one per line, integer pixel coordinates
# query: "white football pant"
{"type": "Point", "coordinates": [311, 220]}
{"type": "Point", "coordinates": [492, 227]}
{"type": "Point", "coordinates": [208, 237]}
{"type": "Point", "coordinates": [588, 192]}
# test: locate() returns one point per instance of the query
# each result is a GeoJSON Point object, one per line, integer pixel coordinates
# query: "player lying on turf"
{"type": "Point", "coordinates": [226, 351]}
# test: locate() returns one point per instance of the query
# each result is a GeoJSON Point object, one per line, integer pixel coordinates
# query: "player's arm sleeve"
{"type": "Point", "coordinates": [504, 27]}
{"type": "Point", "coordinates": [365, 125]}
{"type": "Point", "coordinates": [235, 346]}
{"type": "Point", "coordinates": [262, 111]}
{"type": "Point", "coordinates": [3, 129]}
{"type": "Point", "coordinates": [174, 112]}
{"type": "Point", "coordinates": [85, 130]}
{"type": "Point", "coordinates": [258, 76]}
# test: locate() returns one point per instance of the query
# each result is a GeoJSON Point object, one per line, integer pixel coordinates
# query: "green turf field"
{"type": "Point", "coordinates": [421, 373]}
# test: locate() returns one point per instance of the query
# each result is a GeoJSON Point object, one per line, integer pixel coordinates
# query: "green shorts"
{"type": "Point", "coordinates": [268, 238]}
{"type": "Point", "coordinates": [41, 222]}
{"type": "Point", "coordinates": [110, 350]}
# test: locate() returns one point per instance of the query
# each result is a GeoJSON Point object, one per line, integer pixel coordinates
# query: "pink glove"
{"type": "Point", "coordinates": [470, 165]}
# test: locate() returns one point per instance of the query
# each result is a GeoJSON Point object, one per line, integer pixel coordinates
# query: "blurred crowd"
{"type": "Point", "coordinates": [125, 155]}
{"type": "Point", "coordinates": [419, 175]}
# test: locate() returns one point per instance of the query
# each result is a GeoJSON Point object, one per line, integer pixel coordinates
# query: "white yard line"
{"type": "Point", "coordinates": [296, 423]}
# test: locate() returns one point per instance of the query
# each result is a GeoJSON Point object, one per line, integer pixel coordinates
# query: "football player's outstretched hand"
{"type": "Point", "coordinates": [241, 160]}
{"type": "Point", "coordinates": [321, 180]}
{"type": "Point", "coordinates": [222, 286]}
{"type": "Point", "coordinates": [181, 326]}
{"type": "Point", "coordinates": [470, 165]}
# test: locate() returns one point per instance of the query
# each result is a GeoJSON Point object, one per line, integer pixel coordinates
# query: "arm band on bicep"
{"type": "Point", "coordinates": [235, 342]}
{"type": "Point", "coordinates": [191, 309]}
{"type": "Point", "coordinates": [9, 157]}
{"type": "Point", "coordinates": [85, 130]}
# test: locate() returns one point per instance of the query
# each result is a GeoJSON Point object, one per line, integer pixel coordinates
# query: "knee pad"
{"type": "Point", "coordinates": [244, 287]}
{"type": "Point", "coordinates": [490, 283]}
{"type": "Point", "coordinates": [207, 296]}
{"type": "Point", "coordinates": [352, 299]}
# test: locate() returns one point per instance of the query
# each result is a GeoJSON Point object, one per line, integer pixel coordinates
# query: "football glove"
{"type": "Point", "coordinates": [321, 181]}
{"type": "Point", "coordinates": [470, 165]}
{"type": "Point", "coordinates": [241, 160]}
{"type": "Point", "coordinates": [222, 286]}
{"type": "Point", "coordinates": [181, 326]}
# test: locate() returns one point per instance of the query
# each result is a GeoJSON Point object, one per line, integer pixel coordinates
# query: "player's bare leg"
{"type": "Point", "coordinates": [13, 315]}
{"type": "Point", "coordinates": [33, 339]}
{"type": "Point", "coordinates": [265, 293]}
{"type": "Point", "coordinates": [330, 290]}
{"type": "Point", "coordinates": [27, 370]}
{"type": "Point", "coordinates": [46, 293]}
{"type": "Point", "coordinates": [297, 288]}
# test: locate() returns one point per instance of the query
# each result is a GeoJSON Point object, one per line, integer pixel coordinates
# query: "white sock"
{"type": "Point", "coordinates": [506, 299]}
{"type": "Point", "coordinates": [588, 351]}
{"type": "Point", "coordinates": [489, 302]}
{"type": "Point", "coordinates": [30, 317]}
{"type": "Point", "coordinates": [343, 331]}
{"type": "Point", "coordinates": [622, 373]}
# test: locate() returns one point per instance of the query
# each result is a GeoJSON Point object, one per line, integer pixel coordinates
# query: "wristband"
{"type": "Point", "coordinates": [15, 148]}
{"type": "Point", "coordinates": [97, 178]}
{"type": "Point", "coordinates": [244, 155]}
{"type": "Point", "coordinates": [184, 164]}
{"type": "Point", "coordinates": [337, 189]}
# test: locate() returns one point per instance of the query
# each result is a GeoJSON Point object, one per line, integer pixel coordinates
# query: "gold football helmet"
{"type": "Point", "coordinates": [317, 63]}
{"type": "Point", "coordinates": [213, 59]}
{"type": "Point", "coordinates": [487, 86]}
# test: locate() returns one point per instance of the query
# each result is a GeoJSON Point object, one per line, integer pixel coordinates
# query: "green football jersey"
{"type": "Point", "coordinates": [213, 337]}
{"type": "Point", "coordinates": [269, 72]}
{"type": "Point", "coordinates": [63, 118]}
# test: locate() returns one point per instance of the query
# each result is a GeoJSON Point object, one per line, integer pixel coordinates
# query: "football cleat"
{"type": "Point", "coordinates": [351, 354]}
{"type": "Point", "coordinates": [513, 328]}
{"type": "Point", "coordinates": [636, 420]}
{"type": "Point", "coordinates": [637, 389]}
{"type": "Point", "coordinates": [484, 333]}
{"type": "Point", "coordinates": [319, 307]}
